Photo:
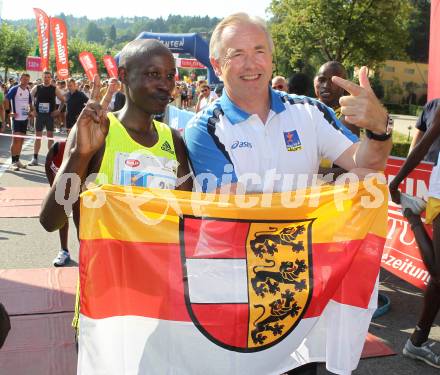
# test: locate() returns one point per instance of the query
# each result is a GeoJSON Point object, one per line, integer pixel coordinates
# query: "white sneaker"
{"type": "Point", "coordinates": [34, 162]}
{"type": "Point", "coordinates": [423, 353]}
{"type": "Point", "coordinates": [21, 165]}
{"type": "Point", "coordinates": [62, 258]}
{"type": "Point", "coordinates": [14, 166]}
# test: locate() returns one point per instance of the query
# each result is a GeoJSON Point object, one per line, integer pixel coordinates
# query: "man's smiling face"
{"type": "Point", "coordinates": [245, 62]}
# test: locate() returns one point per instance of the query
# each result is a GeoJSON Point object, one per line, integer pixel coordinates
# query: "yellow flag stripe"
{"type": "Point", "coordinates": [152, 215]}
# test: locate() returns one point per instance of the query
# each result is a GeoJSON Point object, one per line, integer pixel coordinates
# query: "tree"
{"type": "Point", "coordinates": [76, 46]}
{"type": "Point", "coordinates": [354, 32]}
{"type": "Point", "coordinates": [418, 48]}
{"type": "Point", "coordinates": [15, 47]}
{"type": "Point", "coordinates": [94, 33]}
{"type": "Point", "coordinates": [112, 33]}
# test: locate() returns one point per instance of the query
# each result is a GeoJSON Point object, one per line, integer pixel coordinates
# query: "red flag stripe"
{"type": "Point", "coordinates": [147, 278]}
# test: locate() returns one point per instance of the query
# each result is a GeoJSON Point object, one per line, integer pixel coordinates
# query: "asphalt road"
{"type": "Point", "coordinates": [25, 244]}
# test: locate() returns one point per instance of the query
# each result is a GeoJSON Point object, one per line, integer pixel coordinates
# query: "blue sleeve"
{"type": "Point", "coordinates": [208, 157]}
{"type": "Point", "coordinates": [330, 117]}
{"type": "Point", "coordinates": [11, 93]}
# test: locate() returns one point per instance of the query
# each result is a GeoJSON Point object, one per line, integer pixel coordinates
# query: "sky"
{"type": "Point", "coordinates": [93, 9]}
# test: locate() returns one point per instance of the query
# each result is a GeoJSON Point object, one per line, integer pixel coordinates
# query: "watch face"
{"type": "Point", "coordinates": [390, 125]}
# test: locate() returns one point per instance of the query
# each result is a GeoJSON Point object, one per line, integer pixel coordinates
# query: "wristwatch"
{"type": "Point", "coordinates": [384, 136]}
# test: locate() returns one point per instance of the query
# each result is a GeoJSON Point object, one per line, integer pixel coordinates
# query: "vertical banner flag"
{"type": "Point", "coordinates": [401, 254]}
{"type": "Point", "coordinates": [110, 65]}
{"type": "Point", "coordinates": [434, 52]}
{"type": "Point", "coordinates": [59, 36]}
{"type": "Point", "coordinates": [188, 283]}
{"type": "Point", "coordinates": [43, 28]}
{"type": "Point", "coordinates": [88, 63]}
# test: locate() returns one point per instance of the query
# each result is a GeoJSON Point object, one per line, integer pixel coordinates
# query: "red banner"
{"type": "Point", "coordinates": [88, 63]}
{"type": "Point", "coordinates": [33, 64]}
{"type": "Point", "coordinates": [401, 254]}
{"type": "Point", "coordinates": [189, 63]}
{"type": "Point", "coordinates": [59, 35]}
{"type": "Point", "coordinates": [434, 52]}
{"type": "Point", "coordinates": [43, 28]}
{"type": "Point", "coordinates": [110, 65]}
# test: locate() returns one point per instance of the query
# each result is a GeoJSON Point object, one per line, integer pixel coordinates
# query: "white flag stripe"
{"type": "Point", "coordinates": [158, 347]}
{"type": "Point", "coordinates": [217, 280]}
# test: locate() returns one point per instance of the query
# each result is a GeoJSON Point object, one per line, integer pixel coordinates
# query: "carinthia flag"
{"type": "Point", "coordinates": [43, 28]}
{"type": "Point", "coordinates": [173, 283]}
{"type": "Point", "coordinates": [88, 63]}
{"type": "Point", "coordinates": [59, 36]}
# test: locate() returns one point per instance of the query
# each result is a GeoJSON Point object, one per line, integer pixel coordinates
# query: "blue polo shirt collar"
{"type": "Point", "coordinates": [236, 115]}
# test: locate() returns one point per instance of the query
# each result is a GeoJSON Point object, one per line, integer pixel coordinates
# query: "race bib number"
{"type": "Point", "coordinates": [43, 107]}
{"type": "Point", "coordinates": [144, 170]}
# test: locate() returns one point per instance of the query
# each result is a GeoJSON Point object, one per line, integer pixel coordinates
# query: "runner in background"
{"type": "Point", "coordinates": [19, 100]}
{"type": "Point", "coordinates": [417, 346]}
{"type": "Point", "coordinates": [44, 95]}
{"type": "Point", "coordinates": [2, 110]}
{"type": "Point", "coordinates": [54, 158]}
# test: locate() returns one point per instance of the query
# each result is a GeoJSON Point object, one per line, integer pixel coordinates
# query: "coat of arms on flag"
{"type": "Point", "coordinates": [262, 279]}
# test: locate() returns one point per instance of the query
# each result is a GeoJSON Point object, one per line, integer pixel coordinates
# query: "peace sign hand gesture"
{"type": "Point", "coordinates": [92, 124]}
{"type": "Point", "coordinates": [362, 107]}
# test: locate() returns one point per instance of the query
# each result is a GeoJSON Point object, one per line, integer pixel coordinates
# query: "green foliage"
{"type": "Point", "coordinates": [112, 33]}
{"type": "Point", "coordinates": [401, 145]}
{"type": "Point", "coordinates": [128, 28]}
{"type": "Point", "coordinates": [76, 46]}
{"type": "Point", "coordinates": [418, 47]}
{"type": "Point", "coordinates": [94, 33]}
{"type": "Point", "coordinates": [15, 46]}
{"type": "Point", "coordinates": [353, 32]}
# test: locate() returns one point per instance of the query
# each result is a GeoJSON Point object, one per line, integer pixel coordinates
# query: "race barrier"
{"type": "Point", "coordinates": [401, 254]}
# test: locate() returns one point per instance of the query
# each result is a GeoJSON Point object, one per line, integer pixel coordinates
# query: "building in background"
{"type": "Point", "coordinates": [404, 82]}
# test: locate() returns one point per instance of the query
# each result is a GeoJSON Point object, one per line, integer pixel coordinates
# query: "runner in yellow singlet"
{"type": "Point", "coordinates": [128, 147]}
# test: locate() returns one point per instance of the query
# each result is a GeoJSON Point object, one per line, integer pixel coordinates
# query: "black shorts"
{"type": "Point", "coordinates": [19, 126]}
{"type": "Point", "coordinates": [44, 120]}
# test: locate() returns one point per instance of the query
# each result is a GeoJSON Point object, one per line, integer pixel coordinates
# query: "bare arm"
{"type": "Point", "coordinates": [85, 139]}
{"type": "Point", "coordinates": [418, 135]}
{"type": "Point", "coordinates": [60, 96]}
{"type": "Point", "coordinates": [416, 156]}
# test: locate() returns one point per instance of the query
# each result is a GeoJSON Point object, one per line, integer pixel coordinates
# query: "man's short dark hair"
{"type": "Point", "coordinates": [299, 84]}
{"type": "Point", "coordinates": [25, 75]}
{"type": "Point", "coordinates": [47, 72]}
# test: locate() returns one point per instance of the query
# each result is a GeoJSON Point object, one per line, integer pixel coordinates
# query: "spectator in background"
{"type": "Point", "coordinates": [219, 90]}
{"type": "Point", "coordinates": [86, 90]}
{"type": "Point", "coordinates": [299, 84]}
{"type": "Point", "coordinates": [204, 98]}
{"type": "Point", "coordinates": [75, 102]}
{"type": "Point", "coordinates": [2, 110]}
{"type": "Point", "coordinates": [279, 83]}
{"type": "Point", "coordinates": [423, 124]}
{"type": "Point", "coordinates": [329, 93]}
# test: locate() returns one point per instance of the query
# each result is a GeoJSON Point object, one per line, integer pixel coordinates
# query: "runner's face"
{"type": "Point", "coordinates": [71, 86]}
{"type": "Point", "coordinates": [46, 79]}
{"type": "Point", "coordinates": [150, 82]}
{"type": "Point", "coordinates": [325, 90]}
{"type": "Point", "coordinates": [24, 81]}
{"type": "Point", "coordinates": [245, 63]}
